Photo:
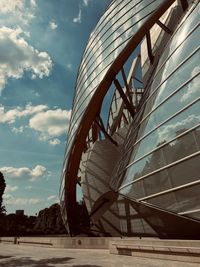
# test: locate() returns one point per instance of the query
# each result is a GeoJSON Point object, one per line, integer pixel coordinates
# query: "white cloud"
{"type": "Point", "coordinates": [11, 115]}
{"type": "Point", "coordinates": [53, 197]}
{"type": "Point", "coordinates": [17, 56]}
{"type": "Point", "coordinates": [29, 187]}
{"type": "Point", "coordinates": [10, 188]}
{"type": "Point", "coordinates": [54, 142]}
{"type": "Point", "coordinates": [86, 2]}
{"type": "Point", "coordinates": [11, 200]}
{"type": "Point", "coordinates": [193, 87]}
{"type": "Point", "coordinates": [18, 130]}
{"type": "Point", "coordinates": [18, 11]}
{"type": "Point", "coordinates": [9, 6]}
{"type": "Point", "coordinates": [53, 25]}
{"type": "Point", "coordinates": [25, 173]}
{"type": "Point", "coordinates": [38, 172]}
{"type": "Point", "coordinates": [7, 196]}
{"type": "Point", "coordinates": [51, 123]}
{"type": "Point", "coordinates": [69, 66]}
{"type": "Point", "coordinates": [167, 132]}
{"type": "Point", "coordinates": [78, 18]}
{"type": "Point", "coordinates": [33, 3]}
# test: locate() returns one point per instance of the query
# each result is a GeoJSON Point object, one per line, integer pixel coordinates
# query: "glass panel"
{"type": "Point", "coordinates": [179, 124]}
{"type": "Point", "coordinates": [167, 201]}
{"type": "Point", "coordinates": [185, 172]}
{"type": "Point", "coordinates": [189, 198]}
{"type": "Point", "coordinates": [195, 215]}
{"type": "Point", "coordinates": [119, 24]}
{"type": "Point", "coordinates": [197, 137]}
{"type": "Point", "coordinates": [156, 183]}
{"type": "Point", "coordinates": [173, 127]}
{"type": "Point", "coordinates": [177, 175]}
{"type": "Point", "coordinates": [144, 166]}
{"type": "Point", "coordinates": [116, 39]}
{"type": "Point", "coordinates": [180, 148]}
{"type": "Point", "coordinates": [181, 35]}
{"type": "Point", "coordinates": [179, 100]}
{"type": "Point", "coordinates": [188, 70]}
{"type": "Point", "coordinates": [175, 150]}
{"type": "Point", "coordinates": [104, 24]}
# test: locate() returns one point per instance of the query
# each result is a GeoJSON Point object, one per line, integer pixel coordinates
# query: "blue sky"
{"type": "Point", "coordinates": [41, 44]}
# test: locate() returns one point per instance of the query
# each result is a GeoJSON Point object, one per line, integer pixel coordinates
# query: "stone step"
{"type": "Point", "coordinates": [179, 250]}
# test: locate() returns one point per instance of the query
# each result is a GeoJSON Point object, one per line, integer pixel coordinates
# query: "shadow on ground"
{"type": "Point", "coordinates": [86, 266]}
{"type": "Point", "coordinates": [22, 262]}
{"type": "Point", "coordinates": [4, 257]}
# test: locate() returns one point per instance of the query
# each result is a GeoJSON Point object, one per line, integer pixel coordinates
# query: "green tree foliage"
{"type": "Point", "coordinates": [2, 189]}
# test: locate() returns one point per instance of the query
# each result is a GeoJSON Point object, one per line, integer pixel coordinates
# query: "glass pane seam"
{"type": "Point", "coordinates": [177, 47]}
{"type": "Point", "coordinates": [137, 125]}
{"type": "Point", "coordinates": [165, 144]}
{"type": "Point", "coordinates": [160, 169]}
{"type": "Point", "coordinates": [96, 49]}
{"type": "Point", "coordinates": [80, 82]}
{"type": "Point", "coordinates": [147, 89]}
{"type": "Point", "coordinates": [168, 119]}
{"type": "Point", "coordinates": [189, 212]}
{"type": "Point", "coordinates": [173, 93]}
{"type": "Point", "coordinates": [107, 30]}
{"type": "Point", "coordinates": [177, 188]}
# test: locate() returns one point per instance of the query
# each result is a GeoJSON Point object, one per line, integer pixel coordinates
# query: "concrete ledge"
{"type": "Point", "coordinates": [82, 242]}
{"type": "Point", "coordinates": [179, 250]}
{"type": "Point", "coordinates": [63, 242]}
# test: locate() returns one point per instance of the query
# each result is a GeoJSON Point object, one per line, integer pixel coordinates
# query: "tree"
{"type": "Point", "coordinates": [2, 189]}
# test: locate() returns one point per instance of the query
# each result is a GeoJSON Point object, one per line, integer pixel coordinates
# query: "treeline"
{"type": "Point", "coordinates": [48, 221]}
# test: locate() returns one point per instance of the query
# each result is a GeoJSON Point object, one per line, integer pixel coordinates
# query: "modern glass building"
{"type": "Point", "coordinates": [137, 159]}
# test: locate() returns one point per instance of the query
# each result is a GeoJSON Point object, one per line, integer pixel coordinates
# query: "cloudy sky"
{"type": "Point", "coordinates": [41, 43]}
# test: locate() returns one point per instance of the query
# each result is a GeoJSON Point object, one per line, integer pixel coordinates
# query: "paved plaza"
{"type": "Point", "coordinates": [37, 256]}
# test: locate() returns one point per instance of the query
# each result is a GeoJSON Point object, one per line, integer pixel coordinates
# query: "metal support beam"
{"type": "Point", "coordinates": [79, 180]}
{"type": "Point", "coordinates": [124, 116]}
{"type": "Point", "coordinates": [184, 4]}
{"type": "Point", "coordinates": [149, 47]}
{"type": "Point", "coordinates": [105, 200]}
{"type": "Point", "coordinates": [124, 98]}
{"type": "Point", "coordinates": [127, 86]}
{"type": "Point", "coordinates": [165, 28]}
{"type": "Point", "coordinates": [95, 132]}
{"type": "Point", "coordinates": [99, 122]}
{"type": "Point", "coordinates": [138, 80]}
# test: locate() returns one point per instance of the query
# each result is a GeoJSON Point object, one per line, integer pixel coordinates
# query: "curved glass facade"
{"type": "Point", "coordinates": [112, 33]}
{"type": "Point", "coordinates": [118, 24]}
{"type": "Point", "coordinates": [153, 131]}
{"type": "Point", "coordinates": [167, 134]}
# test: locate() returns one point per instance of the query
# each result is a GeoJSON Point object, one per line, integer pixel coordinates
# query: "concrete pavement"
{"type": "Point", "coordinates": [37, 256]}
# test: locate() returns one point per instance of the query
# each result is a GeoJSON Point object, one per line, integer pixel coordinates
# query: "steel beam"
{"type": "Point", "coordinates": [149, 47]}
{"type": "Point", "coordinates": [124, 98]}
